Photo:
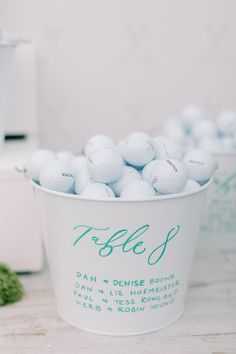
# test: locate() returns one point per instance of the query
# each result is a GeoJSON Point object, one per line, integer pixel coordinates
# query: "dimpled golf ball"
{"type": "Point", "coordinates": [226, 143]}
{"type": "Point", "coordinates": [190, 116]}
{"type": "Point", "coordinates": [120, 146]}
{"type": "Point", "coordinates": [97, 142]}
{"type": "Point", "coordinates": [226, 123]}
{"type": "Point", "coordinates": [167, 149]}
{"type": "Point", "coordinates": [105, 165]}
{"type": "Point", "coordinates": [128, 174]}
{"type": "Point", "coordinates": [97, 190]}
{"type": "Point", "coordinates": [200, 165]}
{"type": "Point", "coordinates": [169, 176]}
{"type": "Point", "coordinates": [173, 130]}
{"type": "Point", "coordinates": [234, 139]}
{"type": "Point", "coordinates": [57, 175]}
{"type": "Point", "coordinates": [137, 189]}
{"type": "Point", "coordinates": [204, 129]}
{"type": "Point", "coordinates": [82, 180]}
{"type": "Point", "coordinates": [78, 163]}
{"type": "Point", "coordinates": [211, 145]}
{"type": "Point", "coordinates": [147, 171]}
{"type": "Point", "coordinates": [35, 163]}
{"type": "Point", "coordinates": [65, 155]}
{"type": "Point", "coordinates": [137, 149]}
{"type": "Point", "coordinates": [191, 185]}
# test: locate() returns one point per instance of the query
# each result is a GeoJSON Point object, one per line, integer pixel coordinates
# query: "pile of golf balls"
{"type": "Point", "coordinates": [139, 166]}
{"type": "Point", "coordinates": [193, 129]}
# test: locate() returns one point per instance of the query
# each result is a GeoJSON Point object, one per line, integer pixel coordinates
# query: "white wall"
{"type": "Point", "coordinates": [120, 65]}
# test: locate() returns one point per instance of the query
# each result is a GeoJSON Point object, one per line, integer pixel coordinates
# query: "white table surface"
{"type": "Point", "coordinates": [207, 326]}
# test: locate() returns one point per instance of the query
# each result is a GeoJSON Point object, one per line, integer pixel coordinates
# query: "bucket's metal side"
{"type": "Point", "coordinates": [218, 228]}
{"type": "Point", "coordinates": [120, 268]}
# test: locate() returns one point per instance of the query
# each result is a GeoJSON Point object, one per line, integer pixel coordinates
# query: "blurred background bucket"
{"type": "Point", "coordinates": [218, 227]}
{"type": "Point", "coordinates": [120, 267]}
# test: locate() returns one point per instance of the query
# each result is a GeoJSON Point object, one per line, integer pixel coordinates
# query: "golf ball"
{"type": "Point", "coordinates": [137, 149]}
{"type": "Point", "coordinates": [147, 171]}
{"type": "Point", "coordinates": [191, 185]}
{"type": "Point", "coordinates": [97, 190]}
{"type": "Point", "coordinates": [128, 174]}
{"type": "Point", "coordinates": [137, 189]}
{"type": "Point", "coordinates": [234, 139]}
{"type": "Point", "coordinates": [97, 142]}
{"type": "Point", "coordinates": [200, 165]}
{"type": "Point", "coordinates": [57, 175]}
{"type": "Point", "coordinates": [105, 165]}
{"type": "Point", "coordinates": [65, 155]}
{"type": "Point", "coordinates": [226, 123]}
{"type": "Point", "coordinates": [169, 176]}
{"type": "Point", "coordinates": [204, 129]}
{"type": "Point", "coordinates": [226, 143]}
{"type": "Point", "coordinates": [211, 145]}
{"type": "Point", "coordinates": [190, 116]}
{"type": "Point", "coordinates": [78, 163]}
{"type": "Point", "coordinates": [36, 161]}
{"type": "Point", "coordinates": [165, 148]}
{"type": "Point", "coordinates": [82, 180]}
{"type": "Point", "coordinates": [120, 146]}
{"type": "Point", "coordinates": [138, 167]}
{"type": "Point", "coordinates": [174, 131]}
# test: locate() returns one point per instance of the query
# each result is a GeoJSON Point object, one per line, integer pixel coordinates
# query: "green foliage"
{"type": "Point", "coordinates": [11, 289]}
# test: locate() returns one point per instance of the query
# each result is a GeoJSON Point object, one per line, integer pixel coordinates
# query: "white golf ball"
{"type": "Point", "coordinates": [209, 144]}
{"type": "Point", "coordinates": [165, 148]}
{"type": "Point", "coordinates": [174, 131]}
{"type": "Point", "coordinates": [200, 165]}
{"type": "Point", "coordinates": [190, 144]}
{"type": "Point", "coordinates": [204, 129]}
{"type": "Point", "coordinates": [105, 165]}
{"type": "Point", "coordinates": [97, 190]}
{"type": "Point", "coordinates": [65, 155]}
{"type": "Point", "coordinates": [36, 161]}
{"type": "Point", "coordinates": [226, 143]}
{"type": "Point", "coordinates": [137, 149]}
{"type": "Point", "coordinates": [147, 171]}
{"type": "Point", "coordinates": [226, 123]}
{"type": "Point", "coordinates": [191, 185]}
{"type": "Point", "coordinates": [169, 176]}
{"type": "Point", "coordinates": [82, 180]}
{"type": "Point", "coordinates": [97, 142]}
{"type": "Point", "coordinates": [234, 139]}
{"type": "Point", "coordinates": [128, 174]}
{"type": "Point", "coordinates": [137, 189]}
{"type": "Point", "coordinates": [120, 146]}
{"type": "Point", "coordinates": [57, 175]}
{"type": "Point", "coordinates": [78, 163]}
{"type": "Point", "coordinates": [191, 115]}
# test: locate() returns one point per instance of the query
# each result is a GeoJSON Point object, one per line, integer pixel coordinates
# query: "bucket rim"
{"type": "Point", "coordinates": [202, 188]}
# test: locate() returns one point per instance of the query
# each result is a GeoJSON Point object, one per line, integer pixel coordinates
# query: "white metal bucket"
{"type": "Point", "coordinates": [218, 227]}
{"type": "Point", "coordinates": [120, 267]}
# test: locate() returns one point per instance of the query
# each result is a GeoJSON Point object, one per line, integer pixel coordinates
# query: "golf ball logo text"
{"type": "Point", "coordinates": [124, 241]}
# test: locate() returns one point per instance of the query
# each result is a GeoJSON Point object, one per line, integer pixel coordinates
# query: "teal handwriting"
{"type": "Point", "coordinates": [123, 240]}
{"type": "Point", "coordinates": [224, 186]}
